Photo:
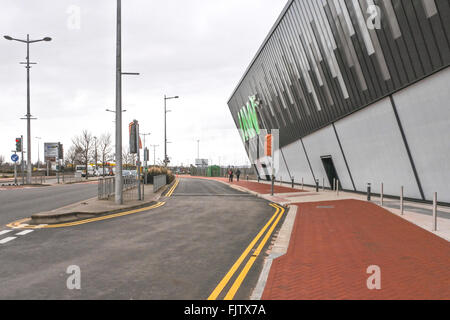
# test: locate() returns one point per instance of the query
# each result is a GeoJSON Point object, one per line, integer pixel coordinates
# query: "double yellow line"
{"type": "Point", "coordinates": [272, 223]}
{"type": "Point", "coordinates": [20, 223]}
{"type": "Point", "coordinates": [17, 224]}
{"type": "Point", "coordinates": [172, 189]}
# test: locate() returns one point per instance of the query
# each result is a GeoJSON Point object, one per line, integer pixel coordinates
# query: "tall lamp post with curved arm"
{"type": "Point", "coordinates": [28, 115]}
{"type": "Point", "coordinates": [166, 158]}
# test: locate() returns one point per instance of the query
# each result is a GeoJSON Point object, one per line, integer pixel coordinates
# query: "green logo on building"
{"type": "Point", "coordinates": [248, 119]}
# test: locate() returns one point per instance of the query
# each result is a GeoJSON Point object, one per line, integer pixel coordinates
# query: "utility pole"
{"type": "Point", "coordinates": [28, 115]}
{"type": "Point", "coordinates": [118, 176]}
{"type": "Point", "coordinates": [95, 155]}
{"type": "Point", "coordinates": [198, 149]}
{"type": "Point", "coordinates": [166, 158]}
{"type": "Point", "coordinates": [154, 153]}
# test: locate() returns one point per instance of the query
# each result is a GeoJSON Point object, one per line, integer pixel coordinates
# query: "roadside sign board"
{"type": "Point", "coordinates": [51, 151]}
{"type": "Point", "coordinates": [201, 162]}
{"type": "Point", "coordinates": [15, 157]}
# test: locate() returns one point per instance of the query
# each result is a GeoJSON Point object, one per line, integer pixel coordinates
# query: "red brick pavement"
{"type": "Point", "coordinates": [262, 188]}
{"type": "Point", "coordinates": [330, 250]}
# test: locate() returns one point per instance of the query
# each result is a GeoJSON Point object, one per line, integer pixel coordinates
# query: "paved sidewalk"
{"type": "Point", "coordinates": [335, 239]}
{"type": "Point", "coordinates": [260, 188]}
{"type": "Point", "coordinates": [334, 242]}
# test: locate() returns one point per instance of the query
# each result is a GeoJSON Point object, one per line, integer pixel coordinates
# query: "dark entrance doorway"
{"type": "Point", "coordinates": [330, 170]}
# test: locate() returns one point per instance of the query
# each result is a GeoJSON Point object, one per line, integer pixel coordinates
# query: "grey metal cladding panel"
{"type": "Point", "coordinates": [396, 63]}
{"type": "Point", "coordinates": [353, 80]}
{"type": "Point", "coordinates": [331, 86]}
{"type": "Point", "coordinates": [441, 39]}
{"type": "Point", "coordinates": [443, 7]}
{"type": "Point", "coordinates": [411, 48]}
{"type": "Point", "coordinates": [361, 44]}
{"type": "Point", "coordinates": [321, 62]}
{"type": "Point", "coordinates": [417, 34]}
{"type": "Point", "coordinates": [428, 34]}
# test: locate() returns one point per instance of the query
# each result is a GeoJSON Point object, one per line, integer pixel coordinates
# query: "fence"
{"type": "Point", "coordinates": [107, 187]}
{"type": "Point", "coordinates": [223, 172]}
{"type": "Point", "coordinates": [159, 181]}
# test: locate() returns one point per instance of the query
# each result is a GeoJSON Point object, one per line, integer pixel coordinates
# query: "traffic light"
{"type": "Point", "coordinates": [60, 151]}
{"type": "Point", "coordinates": [19, 144]}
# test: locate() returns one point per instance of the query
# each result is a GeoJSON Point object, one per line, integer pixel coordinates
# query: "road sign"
{"type": "Point", "coordinates": [51, 151]}
{"type": "Point", "coordinates": [15, 157]}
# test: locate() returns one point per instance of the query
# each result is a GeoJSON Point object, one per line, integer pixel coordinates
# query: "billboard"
{"type": "Point", "coordinates": [201, 162]}
{"type": "Point", "coordinates": [51, 151]}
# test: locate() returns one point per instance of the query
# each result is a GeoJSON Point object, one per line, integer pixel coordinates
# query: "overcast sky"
{"type": "Point", "coordinates": [197, 49]}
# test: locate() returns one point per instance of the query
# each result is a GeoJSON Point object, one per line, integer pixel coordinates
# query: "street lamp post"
{"type": "Point", "coordinates": [28, 115]}
{"type": "Point", "coordinates": [198, 149]}
{"type": "Point", "coordinates": [154, 153]}
{"type": "Point", "coordinates": [119, 74]}
{"type": "Point", "coordinates": [95, 155]}
{"type": "Point", "coordinates": [166, 159]}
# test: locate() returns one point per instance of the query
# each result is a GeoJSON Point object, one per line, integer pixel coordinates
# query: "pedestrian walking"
{"type": "Point", "coordinates": [238, 173]}
{"type": "Point", "coordinates": [230, 172]}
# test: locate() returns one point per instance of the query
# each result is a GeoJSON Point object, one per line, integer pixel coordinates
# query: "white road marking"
{"type": "Point", "coordinates": [23, 225]}
{"type": "Point", "coordinates": [4, 231]}
{"type": "Point", "coordinates": [22, 233]}
{"type": "Point", "coordinates": [3, 241]}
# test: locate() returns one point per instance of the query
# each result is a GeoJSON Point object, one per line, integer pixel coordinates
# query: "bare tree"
{"type": "Point", "coordinates": [105, 146]}
{"type": "Point", "coordinates": [129, 159]}
{"type": "Point", "coordinates": [73, 156]}
{"type": "Point", "coordinates": [2, 160]}
{"type": "Point", "coordinates": [84, 144]}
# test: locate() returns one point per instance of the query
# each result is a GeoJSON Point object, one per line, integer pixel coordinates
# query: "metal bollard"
{"type": "Point", "coordinates": [281, 180]}
{"type": "Point", "coordinates": [334, 184]}
{"type": "Point", "coordinates": [302, 183]}
{"type": "Point", "coordinates": [258, 178]}
{"type": "Point", "coordinates": [317, 185]}
{"type": "Point", "coordinates": [273, 182]}
{"type": "Point", "coordinates": [401, 200]}
{"type": "Point", "coordinates": [435, 211]}
{"type": "Point", "coordinates": [292, 179]}
{"type": "Point", "coordinates": [381, 194]}
{"type": "Point", "coordinates": [368, 191]}
{"type": "Point", "coordinates": [337, 187]}
{"type": "Point", "coordinates": [323, 184]}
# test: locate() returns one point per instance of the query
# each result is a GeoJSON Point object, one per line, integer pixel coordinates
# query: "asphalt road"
{"type": "Point", "coordinates": [181, 250]}
{"type": "Point", "coordinates": [23, 202]}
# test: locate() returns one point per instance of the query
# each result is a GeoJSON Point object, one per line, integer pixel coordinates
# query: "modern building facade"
{"type": "Point", "coordinates": [360, 92]}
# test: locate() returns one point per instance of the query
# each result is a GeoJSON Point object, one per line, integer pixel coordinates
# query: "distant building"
{"type": "Point", "coordinates": [359, 93]}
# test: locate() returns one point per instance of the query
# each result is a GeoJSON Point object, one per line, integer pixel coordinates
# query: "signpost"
{"type": "Point", "coordinates": [135, 146]}
{"type": "Point", "coordinates": [15, 158]}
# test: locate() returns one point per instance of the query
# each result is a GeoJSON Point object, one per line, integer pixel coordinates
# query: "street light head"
{"type": "Point", "coordinates": [176, 97]}
{"type": "Point", "coordinates": [7, 37]}
{"type": "Point", "coordinates": [47, 39]}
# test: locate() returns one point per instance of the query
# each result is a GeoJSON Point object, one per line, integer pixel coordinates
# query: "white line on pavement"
{"type": "Point", "coordinates": [3, 241]}
{"type": "Point", "coordinates": [22, 233]}
{"type": "Point", "coordinates": [4, 231]}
